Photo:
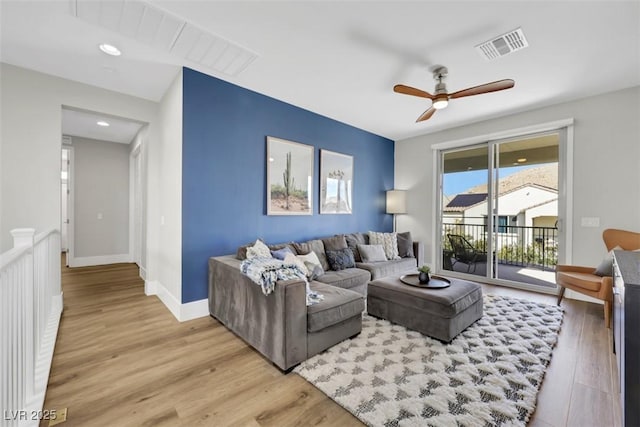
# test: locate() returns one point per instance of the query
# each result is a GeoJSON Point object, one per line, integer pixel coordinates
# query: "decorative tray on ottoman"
{"type": "Point", "coordinates": [436, 282]}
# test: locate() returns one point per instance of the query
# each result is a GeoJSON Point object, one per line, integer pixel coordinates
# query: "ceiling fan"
{"type": "Point", "coordinates": [441, 98]}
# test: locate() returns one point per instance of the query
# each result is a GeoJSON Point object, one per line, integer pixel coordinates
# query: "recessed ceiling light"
{"type": "Point", "coordinates": [102, 123]}
{"type": "Point", "coordinates": [522, 160]}
{"type": "Point", "coordinates": [110, 49]}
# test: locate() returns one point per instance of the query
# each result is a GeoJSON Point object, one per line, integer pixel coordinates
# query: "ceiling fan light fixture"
{"type": "Point", "coordinates": [440, 103]}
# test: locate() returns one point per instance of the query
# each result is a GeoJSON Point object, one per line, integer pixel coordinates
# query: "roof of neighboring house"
{"type": "Point", "coordinates": [540, 204]}
{"type": "Point", "coordinates": [463, 201]}
{"type": "Point", "coordinates": [544, 176]}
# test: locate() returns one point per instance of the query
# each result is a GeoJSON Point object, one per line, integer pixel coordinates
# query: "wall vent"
{"type": "Point", "coordinates": [154, 27]}
{"type": "Point", "coordinates": [503, 45]}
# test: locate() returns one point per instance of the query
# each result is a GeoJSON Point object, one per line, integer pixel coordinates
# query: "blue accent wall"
{"type": "Point", "coordinates": [225, 128]}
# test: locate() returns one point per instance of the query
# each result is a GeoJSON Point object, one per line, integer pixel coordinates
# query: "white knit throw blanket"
{"type": "Point", "coordinates": [267, 271]}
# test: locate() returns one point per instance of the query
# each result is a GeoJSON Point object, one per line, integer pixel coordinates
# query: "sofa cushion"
{"type": "Point", "coordinates": [340, 259]}
{"type": "Point", "coordinates": [405, 245]}
{"type": "Point", "coordinates": [353, 240]}
{"type": "Point", "coordinates": [241, 253]}
{"type": "Point", "coordinates": [348, 278]}
{"type": "Point", "coordinates": [316, 246]}
{"type": "Point", "coordinates": [338, 305]}
{"type": "Point", "coordinates": [395, 267]}
{"type": "Point", "coordinates": [372, 253]}
{"type": "Point", "coordinates": [334, 243]}
{"type": "Point", "coordinates": [389, 242]}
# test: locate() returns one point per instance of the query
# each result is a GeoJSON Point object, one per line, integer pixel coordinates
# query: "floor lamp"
{"type": "Point", "coordinates": [396, 204]}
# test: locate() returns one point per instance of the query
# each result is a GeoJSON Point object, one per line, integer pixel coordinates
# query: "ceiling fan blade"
{"type": "Point", "coordinates": [408, 90]}
{"type": "Point", "coordinates": [426, 115]}
{"type": "Point", "coordinates": [485, 88]}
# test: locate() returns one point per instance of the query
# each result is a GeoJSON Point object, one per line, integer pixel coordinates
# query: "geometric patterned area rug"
{"type": "Point", "coordinates": [489, 375]}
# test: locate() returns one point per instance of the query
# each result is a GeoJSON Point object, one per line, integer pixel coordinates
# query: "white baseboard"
{"type": "Point", "coordinates": [194, 309]}
{"type": "Point", "coordinates": [150, 287]}
{"type": "Point", "coordinates": [182, 312]}
{"type": "Point", "coordinates": [142, 273]}
{"type": "Point", "coordinates": [98, 260]}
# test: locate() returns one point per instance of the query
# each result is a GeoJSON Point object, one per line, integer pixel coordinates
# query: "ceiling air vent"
{"type": "Point", "coordinates": [503, 45]}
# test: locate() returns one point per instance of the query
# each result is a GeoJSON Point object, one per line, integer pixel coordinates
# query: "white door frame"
{"type": "Point", "coordinates": [70, 205]}
{"type": "Point", "coordinates": [136, 202]}
{"type": "Point", "coordinates": [565, 184]}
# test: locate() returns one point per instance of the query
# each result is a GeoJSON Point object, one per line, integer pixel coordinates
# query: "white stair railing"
{"type": "Point", "coordinates": [30, 309]}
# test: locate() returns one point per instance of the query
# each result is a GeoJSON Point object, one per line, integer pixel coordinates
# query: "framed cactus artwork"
{"type": "Point", "coordinates": [336, 183]}
{"type": "Point", "coordinates": [289, 177]}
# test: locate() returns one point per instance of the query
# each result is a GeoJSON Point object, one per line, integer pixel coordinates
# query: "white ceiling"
{"type": "Point", "coordinates": [341, 59]}
{"type": "Point", "coordinates": [84, 124]}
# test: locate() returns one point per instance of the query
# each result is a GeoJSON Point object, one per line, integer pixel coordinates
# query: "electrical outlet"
{"type": "Point", "coordinates": [590, 222]}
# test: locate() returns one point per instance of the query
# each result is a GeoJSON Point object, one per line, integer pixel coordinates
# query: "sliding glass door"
{"type": "Point", "coordinates": [499, 209]}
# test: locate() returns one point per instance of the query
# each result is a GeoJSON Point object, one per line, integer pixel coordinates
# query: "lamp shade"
{"type": "Point", "coordinates": [396, 202]}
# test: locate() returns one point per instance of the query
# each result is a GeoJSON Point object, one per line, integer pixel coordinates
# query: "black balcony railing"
{"type": "Point", "coordinates": [535, 247]}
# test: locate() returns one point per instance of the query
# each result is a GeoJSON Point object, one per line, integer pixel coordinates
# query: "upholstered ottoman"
{"type": "Point", "coordinates": [438, 313]}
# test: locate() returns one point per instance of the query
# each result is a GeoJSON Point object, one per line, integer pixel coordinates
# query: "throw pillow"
{"type": "Point", "coordinates": [334, 243]}
{"type": "Point", "coordinates": [353, 240]}
{"type": "Point", "coordinates": [313, 246]}
{"type": "Point", "coordinates": [315, 270]}
{"type": "Point", "coordinates": [372, 253]}
{"type": "Point", "coordinates": [405, 245]}
{"type": "Point", "coordinates": [341, 259]}
{"type": "Point", "coordinates": [313, 265]}
{"type": "Point", "coordinates": [258, 250]}
{"type": "Point", "coordinates": [241, 253]}
{"type": "Point", "coordinates": [281, 253]}
{"type": "Point", "coordinates": [291, 259]}
{"type": "Point", "coordinates": [389, 242]}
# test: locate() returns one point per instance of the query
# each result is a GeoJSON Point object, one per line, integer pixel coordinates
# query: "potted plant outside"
{"type": "Point", "coordinates": [423, 274]}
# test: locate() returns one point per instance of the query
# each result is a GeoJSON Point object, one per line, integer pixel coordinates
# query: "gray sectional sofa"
{"type": "Point", "coordinates": [280, 325]}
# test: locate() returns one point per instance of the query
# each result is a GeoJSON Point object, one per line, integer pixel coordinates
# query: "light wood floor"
{"type": "Point", "coordinates": [122, 359]}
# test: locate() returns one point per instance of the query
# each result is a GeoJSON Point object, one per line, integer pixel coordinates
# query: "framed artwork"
{"type": "Point", "coordinates": [289, 177]}
{"type": "Point", "coordinates": [336, 183]}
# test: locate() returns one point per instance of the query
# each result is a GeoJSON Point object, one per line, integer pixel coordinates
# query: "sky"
{"type": "Point", "coordinates": [459, 182]}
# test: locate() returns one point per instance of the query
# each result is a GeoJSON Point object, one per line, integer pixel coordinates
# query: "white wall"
{"type": "Point", "coordinates": [30, 118]}
{"type": "Point", "coordinates": [606, 176]}
{"type": "Point", "coordinates": [165, 201]}
{"type": "Point", "coordinates": [101, 199]}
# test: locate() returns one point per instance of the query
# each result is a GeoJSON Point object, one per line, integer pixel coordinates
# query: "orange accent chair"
{"type": "Point", "coordinates": [583, 279]}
